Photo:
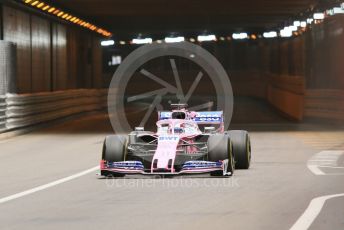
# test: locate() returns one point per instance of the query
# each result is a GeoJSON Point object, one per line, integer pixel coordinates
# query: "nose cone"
{"type": "Point", "coordinates": [165, 152]}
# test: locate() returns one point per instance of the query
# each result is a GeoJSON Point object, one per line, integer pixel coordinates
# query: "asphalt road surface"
{"type": "Point", "coordinates": [48, 181]}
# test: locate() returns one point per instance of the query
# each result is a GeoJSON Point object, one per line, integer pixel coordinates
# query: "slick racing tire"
{"type": "Point", "coordinates": [220, 148]}
{"type": "Point", "coordinates": [241, 148]}
{"type": "Point", "coordinates": [114, 150]}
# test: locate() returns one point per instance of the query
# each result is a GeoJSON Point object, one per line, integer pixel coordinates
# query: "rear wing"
{"type": "Point", "coordinates": [209, 117]}
{"type": "Point", "coordinates": [206, 117]}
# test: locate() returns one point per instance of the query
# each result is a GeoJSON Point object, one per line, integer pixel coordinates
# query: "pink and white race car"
{"type": "Point", "coordinates": [185, 142]}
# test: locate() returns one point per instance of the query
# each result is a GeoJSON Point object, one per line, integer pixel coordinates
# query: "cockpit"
{"type": "Point", "coordinates": [172, 127]}
{"type": "Point", "coordinates": [178, 115]}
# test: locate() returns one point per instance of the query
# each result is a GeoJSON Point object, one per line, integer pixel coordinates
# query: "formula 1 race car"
{"type": "Point", "coordinates": [178, 147]}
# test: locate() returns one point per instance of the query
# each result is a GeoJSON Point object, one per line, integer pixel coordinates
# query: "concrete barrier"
{"type": "Point", "coordinates": [325, 104]}
{"type": "Point", "coordinates": [286, 93]}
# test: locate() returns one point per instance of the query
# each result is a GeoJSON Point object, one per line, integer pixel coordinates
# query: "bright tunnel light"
{"type": "Point", "coordinates": [319, 16]}
{"type": "Point", "coordinates": [107, 43]}
{"type": "Point", "coordinates": [338, 10]}
{"type": "Point", "coordinates": [239, 35]}
{"type": "Point", "coordinates": [286, 32]}
{"type": "Point", "coordinates": [271, 34]}
{"type": "Point", "coordinates": [142, 40]}
{"type": "Point", "coordinates": [297, 23]}
{"type": "Point", "coordinates": [204, 38]}
{"type": "Point", "coordinates": [303, 24]}
{"type": "Point", "coordinates": [41, 5]}
{"type": "Point", "coordinates": [174, 39]}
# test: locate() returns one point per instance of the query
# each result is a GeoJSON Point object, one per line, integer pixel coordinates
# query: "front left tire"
{"type": "Point", "coordinates": [219, 149]}
{"type": "Point", "coordinates": [114, 150]}
{"type": "Point", "coordinates": [241, 148]}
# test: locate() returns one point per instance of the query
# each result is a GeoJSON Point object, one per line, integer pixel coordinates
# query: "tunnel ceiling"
{"type": "Point", "coordinates": [133, 17]}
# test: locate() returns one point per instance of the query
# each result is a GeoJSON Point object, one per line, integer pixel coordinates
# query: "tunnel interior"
{"type": "Point", "coordinates": [283, 58]}
{"type": "Point", "coordinates": [68, 159]}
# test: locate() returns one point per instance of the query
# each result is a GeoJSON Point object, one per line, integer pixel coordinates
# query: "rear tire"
{"type": "Point", "coordinates": [220, 148]}
{"type": "Point", "coordinates": [241, 148]}
{"type": "Point", "coordinates": [114, 150]}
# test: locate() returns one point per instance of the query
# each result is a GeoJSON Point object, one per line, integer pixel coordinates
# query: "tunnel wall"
{"type": "Point", "coordinates": [325, 70]}
{"type": "Point", "coordinates": [51, 55]}
{"type": "Point", "coordinates": [285, 68]}
{"type": "Point", "coordinates": [302, 76]}
{"type": "Point", "coordinates": [272, 69]}
{"type": "Point", "coordinates": [325, 54]}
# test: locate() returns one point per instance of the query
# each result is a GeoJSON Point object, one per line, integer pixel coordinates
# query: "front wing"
{"type": "Point", "coordinates": [189, 167]}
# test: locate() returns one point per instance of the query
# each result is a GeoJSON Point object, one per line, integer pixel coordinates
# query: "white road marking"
{"type": "Point", "coordinates": [323, 159]}
{"type": "Point", "coordinates": [312, 211]}
{"type": "Point", "coordinates": [331, 167]}
{"type": "Point", "coordinates": [49, 185]}
{"type": "Point", "coordinates": [315, 170]}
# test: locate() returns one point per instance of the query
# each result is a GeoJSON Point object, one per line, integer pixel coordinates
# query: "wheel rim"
{"type": "Point", "coordinates": [248, 150]}
{"type": "Point", "coordinates": [231, 158]}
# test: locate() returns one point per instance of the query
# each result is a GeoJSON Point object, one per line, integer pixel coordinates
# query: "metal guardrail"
{"type": "Point", "coordinates": [2, 113]}
{"type": "Point", "coordinates": [17, 111]}
{"type": "Point", "coordinates": [8, 61]}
